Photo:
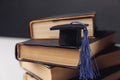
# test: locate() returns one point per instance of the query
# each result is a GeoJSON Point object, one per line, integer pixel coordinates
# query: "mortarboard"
{"type": "Point", "coordinates": [70, 35]}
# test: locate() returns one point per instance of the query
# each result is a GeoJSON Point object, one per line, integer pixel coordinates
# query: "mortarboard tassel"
{"type": "Point", "coordinates": [87, 69]}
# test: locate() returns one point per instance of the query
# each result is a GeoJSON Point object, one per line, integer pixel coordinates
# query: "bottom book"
{"type": "Point", "coordinates": [110, 73]}
{"type": "Point", "coordinates": [48, 72]}
{"type": "Point", "coordinates": [113, 76]}
{"type": "Point", "coordinates": [30, 76]}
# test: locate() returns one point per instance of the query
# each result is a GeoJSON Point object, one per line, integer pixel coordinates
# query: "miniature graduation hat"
{"type": "Point", "coordinates": [70, 34]}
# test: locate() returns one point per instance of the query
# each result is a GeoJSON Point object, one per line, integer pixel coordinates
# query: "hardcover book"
{"type": "Point", "coordinates": [113, 76]}
{"type": "Point", "coordinates": [50, 52]}
{"type": "Point", "coordinates": [40, 29]}
{"type": "Point", "coordinates": [105, 74]}
{"type": "Point", "coordinates": [105, 61]}
{"type": "Point", "coordinates": [111, 73]}
{"type": "Point", "coordinates": [46, 72]}
{"type": "Point", "coordinates": [110, 59]}
{"type": "Point", "coordinates": [49, 72]}
{"type": "Point", "coordinates": [30, 76]}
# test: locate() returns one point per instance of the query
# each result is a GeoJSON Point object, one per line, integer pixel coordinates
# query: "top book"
{"type": "Point", "coordinates": [40, 29]}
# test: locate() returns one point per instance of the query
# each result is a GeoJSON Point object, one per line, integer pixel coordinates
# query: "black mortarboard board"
{"type": "Point", "coordinates": [70, 34]}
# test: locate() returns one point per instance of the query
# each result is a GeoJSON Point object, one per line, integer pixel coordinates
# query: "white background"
{"type": "Point", "coordinates": [9, 66]}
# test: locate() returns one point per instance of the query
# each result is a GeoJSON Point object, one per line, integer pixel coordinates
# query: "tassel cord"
{"type": "Point", "coordinates": [86, 67]}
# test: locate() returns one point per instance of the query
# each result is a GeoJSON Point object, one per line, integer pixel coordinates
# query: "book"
{"type": "Point", "coordinates": [110, 73]}
{"type": "Point", "coordinates": [114, 75]}
{"type": "Point", "coordinates": [40, 29]}
{"type": "Point", "coordinates": [49, 72]}
{"type": "Point", "coordinates": [109, 59]}
{"type": "Point", "coordinates": [105, 62]}
{"type": "Point", "coordinates": [49, 51]}
{"type": "Point", "coordinates": [30, 76]}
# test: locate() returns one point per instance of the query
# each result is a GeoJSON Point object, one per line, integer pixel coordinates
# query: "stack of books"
{"type": "Point", "coordinates": [44, 59]}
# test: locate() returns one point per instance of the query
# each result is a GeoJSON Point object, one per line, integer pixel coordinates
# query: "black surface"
{"type": "Point", "coordinates": [15, 15]}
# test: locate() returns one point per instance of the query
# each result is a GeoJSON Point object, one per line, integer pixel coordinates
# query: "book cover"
{"type": "Point", "coordinates": [40, 29]}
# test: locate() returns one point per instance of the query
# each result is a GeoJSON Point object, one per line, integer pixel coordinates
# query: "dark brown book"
{"type": "Point", "coordinates": [114, 75]}
{"type": "Point", "coordinates": [50, 52]}
{"type": "Point", "coordinates": [111, 73]}
{"type": "Point", "coordinates": [48, 72]}
{"type": "Point", "coordinates": [109, 59]}
{"type": "Point", "coordinates": [40, 29]}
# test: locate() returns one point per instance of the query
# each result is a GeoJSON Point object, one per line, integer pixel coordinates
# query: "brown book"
{"type": "Point", "coordinates": [50, 52]}
{"type": "Point", "coordinates": [109, 59]}
{"type": "Point", "coordinates": [30, 76]}
{"type": "Point", "coordinates": [113, 76]}
{"type": "Point", "coordinates": [40, 29]}
{"type": "Point", "coordinates": [48, 72]}
{"type": "Point", "coordinates": [108, 63]}
{"type": "Point", "coordinates": [110, 73]}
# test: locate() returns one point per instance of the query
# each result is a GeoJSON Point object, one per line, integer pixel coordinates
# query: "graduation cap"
{"type": "Point", "coordinates": [70, 34]}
